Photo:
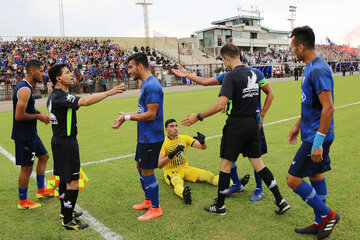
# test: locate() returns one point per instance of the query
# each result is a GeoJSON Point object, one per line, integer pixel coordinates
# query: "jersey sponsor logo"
{"type": "Point", "coordinates": [52, 116]}
{"type": "Point", "coordinates": [252, 88]}
{"type": "Point", "coordinates": [303, 96]}
{"type": "Point", "coordinates": [70, 98]}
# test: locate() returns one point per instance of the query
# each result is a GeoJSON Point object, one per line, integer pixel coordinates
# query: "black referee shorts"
{"type": "Point", "coordinates": [240, 135]}
{"type": "Point", "coordinates": [66, 158]}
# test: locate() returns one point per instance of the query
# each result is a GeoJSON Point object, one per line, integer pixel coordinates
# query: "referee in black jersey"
{"type": "Point", "coordinates": [62, 108]}
{"type": "Point", "coordinates": [239, 95]}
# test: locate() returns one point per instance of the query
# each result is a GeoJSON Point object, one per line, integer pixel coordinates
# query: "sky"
{"type": "Point", "coordinates": [335, 19]}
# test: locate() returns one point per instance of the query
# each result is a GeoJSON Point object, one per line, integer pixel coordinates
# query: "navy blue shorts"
{"type": "Point", "coordinates": [147, 154]}
{"type": "Point", "coordinates": [302, 165]}
{"type": "Point", "coordinates": [25, 151]}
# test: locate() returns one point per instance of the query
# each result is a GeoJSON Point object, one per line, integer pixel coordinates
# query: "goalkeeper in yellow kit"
{"type": "Point", "coordinates": [174, 161]}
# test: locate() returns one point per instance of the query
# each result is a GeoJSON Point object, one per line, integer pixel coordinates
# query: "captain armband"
{"type": "Point", "coordinates": [262, 82]}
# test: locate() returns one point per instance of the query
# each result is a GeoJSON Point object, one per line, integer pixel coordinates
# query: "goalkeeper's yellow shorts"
{"type": "Point", "coordinates": [187, 173]}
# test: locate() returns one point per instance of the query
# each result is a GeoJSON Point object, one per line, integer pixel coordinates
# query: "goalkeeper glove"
{"type": "Point", "coordinates": [178, 149]}
{"type": "Point", "coordinates": [200, 137]}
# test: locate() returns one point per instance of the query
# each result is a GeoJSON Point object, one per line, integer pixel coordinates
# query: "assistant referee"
{"type": "Point", "coordinates": [62, 108]}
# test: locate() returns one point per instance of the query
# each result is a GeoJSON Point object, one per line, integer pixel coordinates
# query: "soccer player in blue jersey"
{"type": "Point", "coordinates": [27, 142]}
{"type": "Point", "coordinates": [317, 134]}
{"type": "Point", "coordinates": [238, 184]}
{"type": "Point", "coordinates": [150, 132]}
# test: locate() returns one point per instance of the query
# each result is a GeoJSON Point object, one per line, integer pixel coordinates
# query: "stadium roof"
{"type": "Point", "coordinates": [215, 27]}
{"type": "Point", "coordinates": [275, 31]}
{"type": "Point", "coordinates": [223, 21]}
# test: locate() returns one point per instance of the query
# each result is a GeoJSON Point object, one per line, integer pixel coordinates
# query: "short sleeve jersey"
{"type": "Point", "coordinates": [169, 145]}
{"type": "Point", "coordinates": [151, 131]}
{"type": "Point", "coordinates": [317, 77]}
{"type": "Point", "coordinates": [261, 80]}
{"type": "Point", "coordinates": [241, 87]}
{"type": "Point", "coordinates": [62, 107]}
{"type": "Point", "coordinates": [24, 130]}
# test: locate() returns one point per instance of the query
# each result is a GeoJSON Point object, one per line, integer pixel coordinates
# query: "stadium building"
{"type": "Point", "coordinates": [244, 31]}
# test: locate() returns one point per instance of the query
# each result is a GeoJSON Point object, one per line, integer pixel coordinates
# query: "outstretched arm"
{"type": "Point", "coordinates": [199, 80]}
{"type": "Point", "coordinates": [216, 107]}
{"type": "Point", "coordinates": [95, 98]}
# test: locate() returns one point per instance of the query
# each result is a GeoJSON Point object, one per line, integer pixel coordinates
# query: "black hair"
{"type": "Point", "coordinates": [230, 50]}
{"type": "Point", "coordinates": [171, 120]}
{"type": "Point", "coordinates": [139, 58]}
{"type": "Point", "coordinates": [56, 71]}
{"type": "Point", "coordinates": [32, 63]}
{"type": "Point", "coordinates": [305, 36]}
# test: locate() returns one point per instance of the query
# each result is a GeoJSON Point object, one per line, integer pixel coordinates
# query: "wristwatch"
{"type": "Point", "coordinates": [199, 117]}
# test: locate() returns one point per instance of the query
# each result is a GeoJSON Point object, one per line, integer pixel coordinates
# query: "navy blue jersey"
{"type": "Point", "coordinates": [260, 80]}
{"type": "Point", "coordinates": [24, 130]}
{"type": "Point", "coordinates": [151, 131]}
{"type": "Point", "coordinates": [317, 77]}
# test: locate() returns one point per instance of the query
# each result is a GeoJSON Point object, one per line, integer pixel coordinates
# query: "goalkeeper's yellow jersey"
{"type": "Point", "coordinates": [169, 145]}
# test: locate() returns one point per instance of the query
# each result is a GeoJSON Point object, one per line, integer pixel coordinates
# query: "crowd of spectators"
{"type": "Point", "coordinates": [333, 53]}
{"type": "Point", "coordinates": [93, 62]}
{"type": "Point", "coordinates": [96, 63]}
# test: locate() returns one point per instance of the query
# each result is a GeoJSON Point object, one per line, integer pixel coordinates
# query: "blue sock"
{"type": "Point", "coordinates": [152, 189]}
{"type": "Point", "coordinates": [234, 175]}
{"type": "Point", "coordinates": [143, 185]}
{"type": "Point", "coordinates": [22, 193]}
{"type": "Point", "coordinates": [309, 195]}
{"type": "Point", "coordinates": [258, 180]}
{"type": "Point", "coordinates": [321, 190]}
{"type": "Point", "coordinates": [40, 181]}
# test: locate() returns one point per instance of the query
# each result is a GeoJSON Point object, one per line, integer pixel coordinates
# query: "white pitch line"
{"type": "Point", "coordinates": [104, 231]}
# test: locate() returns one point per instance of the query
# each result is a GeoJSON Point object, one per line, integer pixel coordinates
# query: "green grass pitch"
{"type": "Point", "coordinates": [114, 185]}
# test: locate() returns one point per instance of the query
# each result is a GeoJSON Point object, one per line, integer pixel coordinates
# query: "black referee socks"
{"type": "Point", "coordinates": [270, 182]}
{"type": "Point", "coordinates": [69, 204]}
{"type": "Point", "coordinates": [62, 190]}
{"type": "Point", "coordinates": [224, 182]}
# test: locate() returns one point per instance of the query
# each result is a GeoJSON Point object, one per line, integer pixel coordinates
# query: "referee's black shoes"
{"type": "Point", "coordinates": [215, 209]}
{"type": "Point", "coordinates": [282, 207]}
{"type": "Point", "coordinates": [74, 225]}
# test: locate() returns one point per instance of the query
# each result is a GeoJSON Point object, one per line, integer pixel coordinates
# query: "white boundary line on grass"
{"type": "Point", "coordinates": [104, 231]}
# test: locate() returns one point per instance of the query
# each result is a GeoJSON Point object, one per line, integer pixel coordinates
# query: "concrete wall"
{"type": "Point", "coordinates": [127, 42]}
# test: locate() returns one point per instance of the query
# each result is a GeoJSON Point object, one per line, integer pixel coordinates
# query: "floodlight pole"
{"type": "Point", "coordinates": [145, 4]}
{"type": "Point", "coordinates": [61, 18]}
{"type": "Point", "coordinates": [292, 16]}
